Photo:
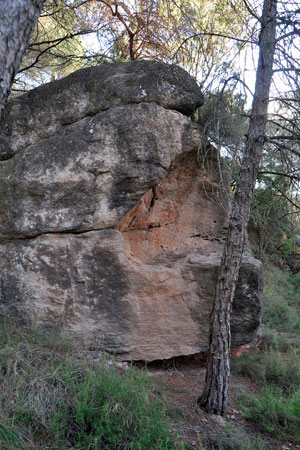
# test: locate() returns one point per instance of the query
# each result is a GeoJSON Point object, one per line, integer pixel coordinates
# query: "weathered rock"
{"type": "Point", "coordinates": [112, 229]}
{"type": "Point", "coordinates": [88, 175]}
{"type": "Point", "coordinates": [145, 290]}
{"type": "Point", "coordinates": [75, 283]}
{"type": "Point", "coordinates": [174, 239]}
{"type": "Point", "coordinates": [44, 110]}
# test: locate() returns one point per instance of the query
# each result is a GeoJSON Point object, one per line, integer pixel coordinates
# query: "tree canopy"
{"type": "Point", "coordinates": [203, 37]}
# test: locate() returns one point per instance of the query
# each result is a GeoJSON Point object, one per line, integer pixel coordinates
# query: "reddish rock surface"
{"type": "Point", "coordinates": [177, 217]}
{"type": "Point", "coordinates": [173, 242]}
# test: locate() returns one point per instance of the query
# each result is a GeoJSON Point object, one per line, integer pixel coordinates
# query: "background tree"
{"type": "Point", "coordinates": [276, 205]}
{"type": "Point", "coordinates": [55, 49]}
{"type": "Point", "coordinates": [71, 34]}
{"type": "Point", "coordinates": [276, 202]}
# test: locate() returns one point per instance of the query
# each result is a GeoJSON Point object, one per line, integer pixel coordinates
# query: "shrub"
{"type": "Point", "coordinates": [12, 438]}
{"type": "Point", "coordinates": [233, 438]}
{"type": "Point", "coordinates": [274, 412]}
{"type": "Point", "coordinates": [277, 314]}
{"type": "Point", "coordinates": [281, 291]}
{"type": "Point", "coordinates": [48, 400]}
{"type": "Point", "coordinates": [109, 411]}
{"type": "Point", "coordinates": [272, 368]}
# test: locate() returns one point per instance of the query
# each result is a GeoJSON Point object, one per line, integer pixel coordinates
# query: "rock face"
{"type": "Point", "coordinates": [89, 174]}
{"type": "Point", "coordinates": [41, 112]}
{"type": "Point", "coordinates": [112, 223]}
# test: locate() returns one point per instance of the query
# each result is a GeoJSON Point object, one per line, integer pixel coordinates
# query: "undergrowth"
{"type": "Point", "coordinates": [275, 368]}
{"type": "Point", "coordinates": [277, 408]}
{"type": "Point", "coordinates": [50, 400]}
{"type": "Point", "coordinates": [270, 367]}
{"type": "Point", "coordinates": [275, 412]}
{"type": "Point", "coordinates": [232, 438]}
{"type": "Point", "coordinates": [281, 294]}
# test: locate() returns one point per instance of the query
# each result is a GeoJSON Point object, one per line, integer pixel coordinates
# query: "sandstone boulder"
{"type": "Point", "coordinates": [89, 174]}
{"type": "Point", "coordinates": [42, 111]}
{"type": "Point", "coordinates": [112, 227]}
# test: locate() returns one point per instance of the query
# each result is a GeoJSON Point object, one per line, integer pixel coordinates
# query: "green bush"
{"type": "Point", "coordinates": [281, 292]}
{"type": "Point", "coordinates": [109, 411]}
{"type": "Point", "coordinates": [233, 438]}
{"type": "Point", "coordinates": [272, 340]}
{"type": "Point", "coordinates": [270, 368]}
{"type": "Point", "coordinates": [294, 291]}
{"type": "Point", "coordinates": [48, 399]}
{"type": "Point", "coordinates": [275, 413]}
{"type": "Point", "coordinates": [12, 438]}
{"type": "Point", "coordinates": [277, 314]}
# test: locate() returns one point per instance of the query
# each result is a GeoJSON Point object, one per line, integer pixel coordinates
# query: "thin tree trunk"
{"type": "Point", "coordinates": [215, 393]}
{"type": "Point", "coordinates": [17, 20]}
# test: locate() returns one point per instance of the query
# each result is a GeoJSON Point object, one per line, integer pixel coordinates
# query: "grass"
{"type": "Point", "coordinates": [11, 437]}
{"type": "Point", "coordinates": [276, 413]}
{"type": "Point", "coordinates": [282, 292]}
{"type": "Point", "coordinates": [105, 410]}
{"type": "Point", "coordinates": [49, 400]}
{"type": "Point", "coordinates": [270, 367]}
{"type": "Point", "coordinates": [233, 438]}
{"type": "Point", "coordinates": [277, 375]}
{"type": "Point", "coordinates": [275, 370]}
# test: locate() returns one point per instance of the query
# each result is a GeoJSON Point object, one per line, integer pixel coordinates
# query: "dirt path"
{"type": "Point", "coordinates": [180, 388]}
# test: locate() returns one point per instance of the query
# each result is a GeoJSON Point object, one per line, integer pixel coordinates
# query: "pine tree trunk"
{"type": "Point", "coordinates": [215, 393]}
{"type": "Point", "coordinates": [17, 20]}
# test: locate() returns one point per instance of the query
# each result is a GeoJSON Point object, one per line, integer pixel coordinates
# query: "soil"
{"type": "Point", "coordinates": [180, 387]}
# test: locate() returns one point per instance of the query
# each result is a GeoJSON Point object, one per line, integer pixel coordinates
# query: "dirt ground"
{"type": "Point", "coordinates": [180, 387]}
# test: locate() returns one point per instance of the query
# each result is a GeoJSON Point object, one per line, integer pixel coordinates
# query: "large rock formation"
{"type": "Point", "coordinates": [43, 111]}
{"type": "Point", "coordinates": [112, 222]}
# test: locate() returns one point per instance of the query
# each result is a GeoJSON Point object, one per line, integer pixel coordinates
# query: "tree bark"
{"type": "Point", "coordinates": [17, 20]}
{"type": "Point", "coordinates": [215, 393]}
